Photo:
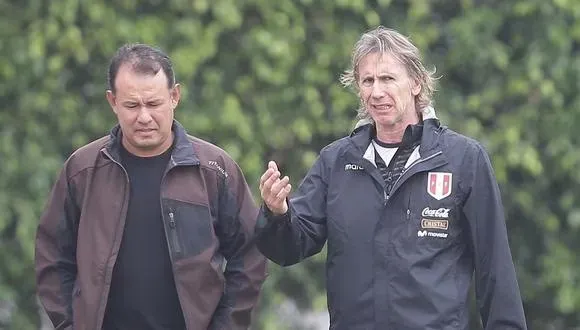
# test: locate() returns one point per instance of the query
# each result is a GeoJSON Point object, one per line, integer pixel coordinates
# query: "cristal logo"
{"type": "Point", "coordinates": [441, 213]}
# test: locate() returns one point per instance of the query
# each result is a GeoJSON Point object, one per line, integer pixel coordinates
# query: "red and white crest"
{"type": "Point", "coordinates": [439, 184]}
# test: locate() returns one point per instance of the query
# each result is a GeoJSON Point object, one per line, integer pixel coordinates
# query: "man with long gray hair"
{"type": "Point", "coordinates": [409, 208]}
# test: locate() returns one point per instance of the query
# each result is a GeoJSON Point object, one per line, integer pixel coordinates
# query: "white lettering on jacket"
{"type": "Point", "coordinates": [219, 168]}
{"type": "Point", "coordinates": [352, 167]}
{"type": "Point", "coordinates": [440, 213]}
{"type": "Point", "coordinates": [423, 233]}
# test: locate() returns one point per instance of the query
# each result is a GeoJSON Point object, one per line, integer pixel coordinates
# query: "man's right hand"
{"type": "Point", "coordinates": [274, 190]}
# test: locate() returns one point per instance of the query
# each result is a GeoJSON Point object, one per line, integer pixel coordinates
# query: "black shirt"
{"type": "Point", "coordinates": [143, 294]}
{"type": "Point", "coordinates": [392, 171]}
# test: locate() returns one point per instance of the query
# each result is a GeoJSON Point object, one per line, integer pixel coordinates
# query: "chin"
{"type": "Point", "coordinates": [387, 122]}
{"type": "Point", "coordinates": [149, 145]}
{"type": "Point", "coordinates": [145, 143]}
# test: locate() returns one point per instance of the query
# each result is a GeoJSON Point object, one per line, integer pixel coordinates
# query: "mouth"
{"type": "Point", "coordinates": [145, 130]}
{"type": "Point", "coordinates": [383, 107]}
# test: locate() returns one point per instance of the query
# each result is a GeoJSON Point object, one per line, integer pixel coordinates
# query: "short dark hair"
{"type": "Point", "coordinates": [143, 59]}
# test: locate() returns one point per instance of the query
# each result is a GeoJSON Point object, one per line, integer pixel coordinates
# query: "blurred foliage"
{"type": "Point", "coordinates": [260, 79]}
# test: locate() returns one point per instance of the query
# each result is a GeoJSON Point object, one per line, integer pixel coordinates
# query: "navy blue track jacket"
{"type": "Point", "coordinates": [403, 259]}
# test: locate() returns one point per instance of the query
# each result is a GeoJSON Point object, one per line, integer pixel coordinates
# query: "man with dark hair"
{"type": "Point", "coordinates": [148, 227]}
{"type": "Point", "coordinates": [143, 59]}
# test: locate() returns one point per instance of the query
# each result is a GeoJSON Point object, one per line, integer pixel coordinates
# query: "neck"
{"type": "Point", "coordinates": [393, 133]}
{"type": "Point", "coordinates": [144, 152]}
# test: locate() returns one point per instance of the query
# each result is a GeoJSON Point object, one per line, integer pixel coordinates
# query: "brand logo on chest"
{"type": "Point", "coordinates": [435, 219]}
{"type": "Point", "coordinates": [439, 184]}
{"type": "Point", "coordinates": [352, 167]}
{"type": "Point", "coordinates": [218, 167]}
{"type": "Point", "coordinates": [440, 213]}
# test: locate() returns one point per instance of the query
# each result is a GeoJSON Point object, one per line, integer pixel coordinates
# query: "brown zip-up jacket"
{"type": "Point", "coordinates": [209, 216]}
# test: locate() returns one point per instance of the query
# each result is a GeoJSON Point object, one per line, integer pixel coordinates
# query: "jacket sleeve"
{"type": "Point", "coordinates": [245, 269]}
{"type": "Point", "coordinates": [497, 291]}
{"type": "Point", "coordinates": [302, 231]}
{"type": "Point", "coordinates": [55, 253]}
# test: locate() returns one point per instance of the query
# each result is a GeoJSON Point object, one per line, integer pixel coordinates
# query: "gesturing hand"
{"type": "Point", "coordinates": [275, 190]}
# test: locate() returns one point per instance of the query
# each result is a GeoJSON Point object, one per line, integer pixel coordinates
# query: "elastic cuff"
{"type": "Point", "coordinates": [266, 217]}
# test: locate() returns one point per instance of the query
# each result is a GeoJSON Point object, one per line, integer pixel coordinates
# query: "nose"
{"type": "Point", "coordinates": [144, 116]}
{"type": "Point", "coordinates": [378, 90]}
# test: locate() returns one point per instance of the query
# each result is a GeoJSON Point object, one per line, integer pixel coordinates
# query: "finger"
{"type": "Point", "coordinates": [279, 185]}
{"type": "Point", "coordinates": [266, 176]}
{"type": "Point", "coordinates": [284, 192]}
{"type": "Point", "coordinates": [272, 164]}
{"type": "Point", "coordinates": [270, 174]}
{"type": "Point", "coordinates": [280, 191]}
{"type": "Point", "coordinates": [280, 202]}
{"type": "Point", "coordinates": [266, 189]}
{"type": "Point", "coordinates": [270, 191]}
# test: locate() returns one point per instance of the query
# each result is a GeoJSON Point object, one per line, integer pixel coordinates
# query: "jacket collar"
{"type": "Point", "coordinates": [431, 129]}
{"type": "Point", "coordinates": [183, 152]}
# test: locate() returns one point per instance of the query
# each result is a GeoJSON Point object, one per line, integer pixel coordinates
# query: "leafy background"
{"type": "Point", "coordinates": [260, 79]}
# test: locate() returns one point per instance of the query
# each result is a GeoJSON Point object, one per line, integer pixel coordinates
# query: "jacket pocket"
{"type": "Point", "coordinates": [218, 265]}
{"type": "Point", "coordinates": [188, 227]}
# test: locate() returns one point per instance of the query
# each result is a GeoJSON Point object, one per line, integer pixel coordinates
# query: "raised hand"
{"type": "Point", "coordinates": [275, 190]}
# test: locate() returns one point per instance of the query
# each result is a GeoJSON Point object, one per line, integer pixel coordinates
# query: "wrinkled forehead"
{"type": "Point", "coordinates": [380, 62]}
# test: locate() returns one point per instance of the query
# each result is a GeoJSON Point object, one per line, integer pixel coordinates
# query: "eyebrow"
{"type": "Point", "coordinates": [154, 100]}
{"type": "Point", "coordinates": [382, 73]}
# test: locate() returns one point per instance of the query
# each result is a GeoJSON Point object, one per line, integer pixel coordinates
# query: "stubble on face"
{"type": "Point", "coordinates": [144, 106]}
{"type": "Point", "coordinates": [388, 94]}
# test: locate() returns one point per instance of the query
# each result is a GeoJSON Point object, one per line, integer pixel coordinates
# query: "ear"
{"type": "Point", "coordinates": [175, 95]}
{"type": "Point", "coordinates": [415, 88]}
{"type": "Point", "coordinates": [112, 101]}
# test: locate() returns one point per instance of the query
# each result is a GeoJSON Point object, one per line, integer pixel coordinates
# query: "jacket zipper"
{"type": "Point", "coordinates": [109, 270]}
{"type": "Point", "coordinates": [172, 225]}
{"type": "Point", "coordinates": [387, 196]}
{"type": "Point", "coordinates": [418, 161]}
{"type": "Point", "coordinates": [173, 233]}
{"type": "Point", "coordinates": [172, 237]}
{"type": "Point", "coordinates": [409, 207]}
